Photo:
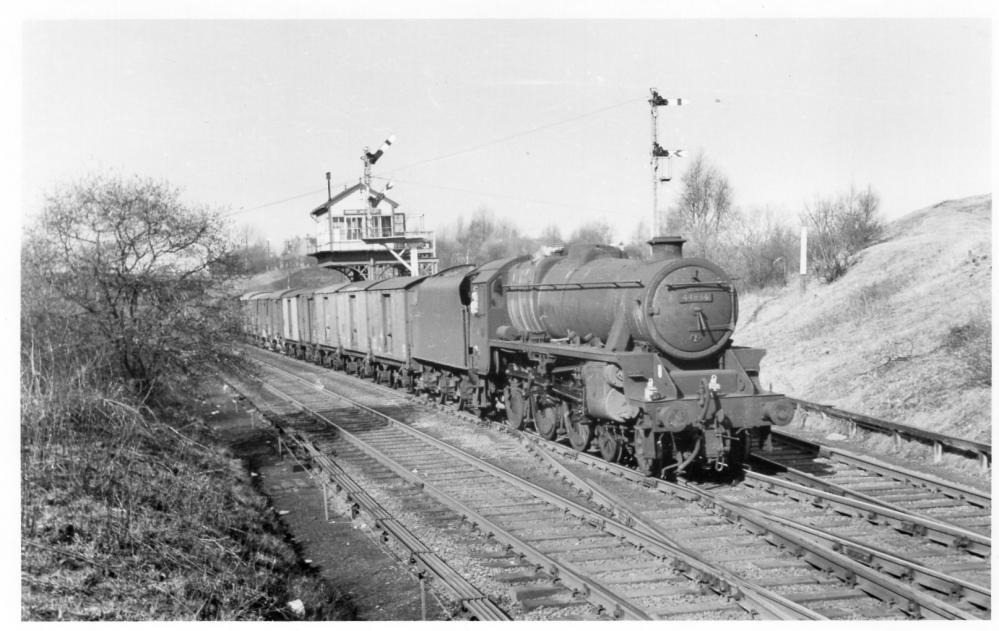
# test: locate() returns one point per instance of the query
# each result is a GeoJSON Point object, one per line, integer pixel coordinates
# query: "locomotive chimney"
{"type": "Point", "coordinates": [666, 248]}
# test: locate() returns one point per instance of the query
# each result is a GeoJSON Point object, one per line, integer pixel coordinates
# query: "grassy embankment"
{"type": "Point", "coordinates": [905, 335]}
{"type": "Point", "coordinates": [130, 515]}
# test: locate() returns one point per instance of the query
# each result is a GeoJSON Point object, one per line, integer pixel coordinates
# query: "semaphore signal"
{"type": "Point", "coordinates": [371, 158]}
{"type": "Point", "coordinates": [659, 153]}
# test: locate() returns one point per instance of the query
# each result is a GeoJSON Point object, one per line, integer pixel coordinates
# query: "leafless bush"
{"type": "Point", "coordinates": [760, 250]}
{"type": "Point", "coordinates": [136, 276]}
{"type": "Point", "coordinates": [971, 344]}
{"type": "Point", "coordinates": [125, 516]}
{"type": "Point", "coordinates": [839, 227]}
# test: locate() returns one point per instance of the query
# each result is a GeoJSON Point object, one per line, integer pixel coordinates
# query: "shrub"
{"type": "Point", "coordinates": [839, 227]}
{"type": "Point", "coordinates": [760, 251]}
{"type": "Point", "coordinates": [136, 276]}
{"type": "Point", "coordinates": [123, 516]}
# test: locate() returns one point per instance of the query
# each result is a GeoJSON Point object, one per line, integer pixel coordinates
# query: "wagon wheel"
{"type": "Point", "coordinates": [608, 444]}
{"type": "Point", "coordinates": [442, 390]}
{"type": "Point", "coordinates": [579, 430]}
{"type": "Point", "coordinates": [546, 421]}
{"type": "Point", "coordinates": [515, 405]}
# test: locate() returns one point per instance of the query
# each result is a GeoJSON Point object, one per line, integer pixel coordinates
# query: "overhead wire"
{"type": "Point", "coordinates": [457, 153]}
{"type": "Point", "coordinates": [496, 195]}
{"type": "Point", "coordinates": [516, 135]}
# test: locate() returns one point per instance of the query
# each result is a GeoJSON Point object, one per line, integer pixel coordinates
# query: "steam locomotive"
{"type": "Point", "coordinates": [631, 357]}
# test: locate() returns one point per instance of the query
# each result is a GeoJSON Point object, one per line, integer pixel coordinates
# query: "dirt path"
{"type": "Point", "coordinates": [346, 554]}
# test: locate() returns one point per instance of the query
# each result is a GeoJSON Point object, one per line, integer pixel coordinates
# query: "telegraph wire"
{"type": "Point", "coordinates": [274, 203]}
{"type": "Point", "coordinates": [517, 135]}
{"type": "Point", "coordinates": [496, 195]}
{"type": "Point", "coordinates": [457, 153]}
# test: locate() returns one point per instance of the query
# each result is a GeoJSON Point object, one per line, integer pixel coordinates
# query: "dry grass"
{"type": "Point", "coordinates": [904, 335]}
{"type": "Point", "coordinates": [127, 517]}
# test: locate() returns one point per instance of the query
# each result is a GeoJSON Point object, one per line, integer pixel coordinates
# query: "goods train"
{"type": "Point", "coordinates": [633, 357]}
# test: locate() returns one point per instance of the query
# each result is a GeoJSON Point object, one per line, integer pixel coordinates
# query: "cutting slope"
{"type": "Point", "coordinates": [905, 335]}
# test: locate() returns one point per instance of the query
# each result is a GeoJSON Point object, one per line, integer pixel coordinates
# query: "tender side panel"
{"type": "Point", "coordinates": [439, 323]}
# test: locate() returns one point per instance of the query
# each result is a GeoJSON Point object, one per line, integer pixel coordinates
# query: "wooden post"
{"type": "Point", "coordinates": [803, 267]}
{"type": "Point", "coordinates": [423, 596]}
{"type": "Point", "coordinates": [326, 503]}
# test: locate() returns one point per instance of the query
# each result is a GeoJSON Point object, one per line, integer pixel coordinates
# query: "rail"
{"type": "Point", "coordinates": [473, 601]}
{"type": "Point", "coordinates": [595, 592]}
{"type": "Point", "coordinates": [846, 558]}
{"type": "Point", "coordinates": [949, 535]}
{"type": "Point", "coordinates": [966, 494]}
{"type": "Point", "coordinates": [769, 605]}
{"type": "Point", "coordinates": [900, 433]}
{"type": "Point", "coordinates": [838, 560]}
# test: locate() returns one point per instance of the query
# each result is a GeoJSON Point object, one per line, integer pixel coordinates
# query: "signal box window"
{"type": "Point", "coordinates": [354, 228]}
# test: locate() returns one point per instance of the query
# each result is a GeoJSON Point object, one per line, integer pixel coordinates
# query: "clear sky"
{"type": "Point", "coordinates": [543, 121]}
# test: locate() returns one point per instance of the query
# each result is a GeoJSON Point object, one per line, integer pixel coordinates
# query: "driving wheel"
{"type": "Point", "coordinates": [610, 448]}
{"type": "Point", "coordinates": [515, 405]}
{"type": "Point", "coordinates": [579, 431]}
{"type": "Point", "coordinates": [546, 422]}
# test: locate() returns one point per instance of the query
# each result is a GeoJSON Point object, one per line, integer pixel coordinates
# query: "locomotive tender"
{"type": "Point", "coordinates": [634, 356]}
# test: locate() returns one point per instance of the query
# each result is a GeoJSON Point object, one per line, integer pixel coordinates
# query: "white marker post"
{"type": "Point", "coordinates": [804, 258]}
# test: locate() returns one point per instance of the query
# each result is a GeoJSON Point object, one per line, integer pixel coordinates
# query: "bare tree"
{"type": "Point", "coordinates": [637, 246]}
{"type": "Point", "coordinates": [551, 235]}
{"type": "Point", "coordinates": [598, 231]}
{"type": "Point", "coordinates": [484, 238]}
{"type": "Point", "coordinates": [136, 276]}
{"type": "Point", "coordinates": [704, 206]}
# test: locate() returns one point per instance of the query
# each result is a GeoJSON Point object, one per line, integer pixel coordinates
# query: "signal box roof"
{"type": "Point", "coordinates": [325, 207]}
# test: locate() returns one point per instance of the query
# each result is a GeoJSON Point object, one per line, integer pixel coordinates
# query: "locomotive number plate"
{"type": "Point", "coordinates": [695, 296]}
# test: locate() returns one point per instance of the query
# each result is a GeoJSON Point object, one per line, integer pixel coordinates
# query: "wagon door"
{"type": "Point", "coordinates": [387, 319]}
{"type": "Point", "coordinates": [327, 331]}
{"type": "Point", "coordinates": [352, 319]}
{"type": "Point", "coordinates": [292, 320]}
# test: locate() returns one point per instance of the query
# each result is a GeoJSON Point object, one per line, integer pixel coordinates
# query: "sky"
{"type": "Point", "coordinates": [543, 121]}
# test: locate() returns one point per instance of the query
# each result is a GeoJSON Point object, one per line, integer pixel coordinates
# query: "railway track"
{"type": "Point", "coordinates": [736, 540]}
{"type": "Point", "coordinates": [640, 577]}
{"type": "Point", "coordinates": [842, 473]}
{"type": "Point", "coordinates": [769, 517]}
{"type": "Point", "coordinates": [938, 443]}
